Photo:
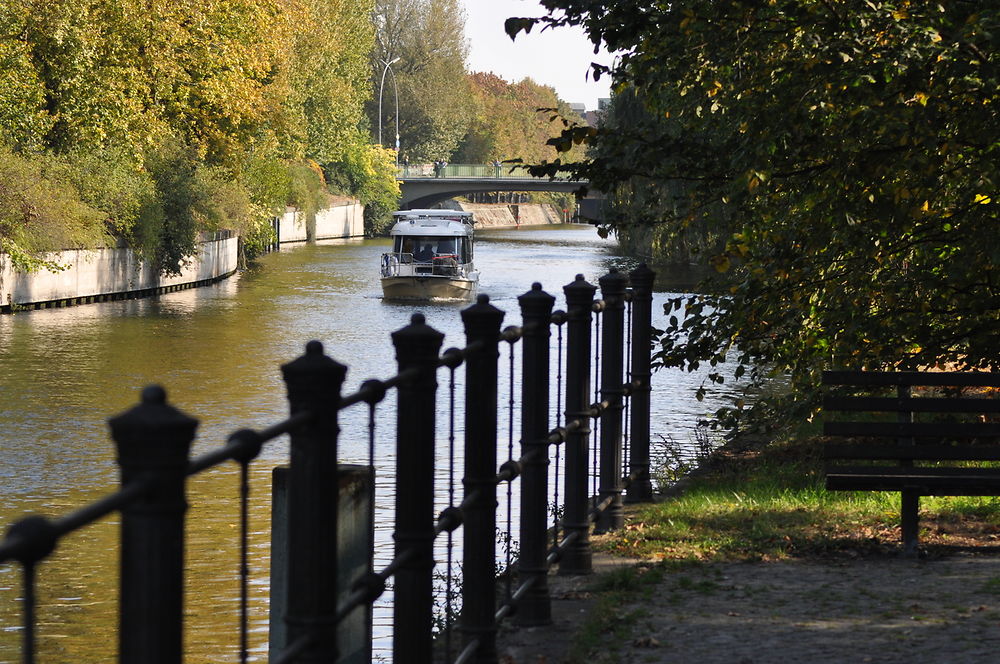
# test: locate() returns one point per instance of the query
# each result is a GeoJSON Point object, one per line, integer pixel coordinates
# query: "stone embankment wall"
{"type": "Point", "coordinates": [98, 275]}
{"type": "Point", "coordinates": [345, 220]}
{"type": "Point", "coordinates": [499, 215]}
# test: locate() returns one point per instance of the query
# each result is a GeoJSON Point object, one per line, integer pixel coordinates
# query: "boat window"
{"type": "Point", "coordinates": [425, 248]}
{"type": "Point", "coordinates": [403, 245]}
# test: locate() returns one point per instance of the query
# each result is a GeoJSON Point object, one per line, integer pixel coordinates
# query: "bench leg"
{"type": "Point", "coordinates": [911, 504]}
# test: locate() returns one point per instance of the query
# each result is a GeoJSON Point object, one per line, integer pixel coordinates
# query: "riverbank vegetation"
{"type": "Point", "coordinates": [834, 165]}
{"type": "Point", "coordinates": [145, 123]}
{"type": "Point", "coordinates": [768, 502]}
{"type": "Point", "coordinates": [149, 122]}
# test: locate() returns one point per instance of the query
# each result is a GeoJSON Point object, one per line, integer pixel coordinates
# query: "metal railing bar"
{"type": "Point", "coordinates": [371, 391]}
{"type": "Point", "coordinates": [12, 547]}
{"type": "Point", "coordinates": [237, 446]}
{"type": "Point", "coordinates": [556, 552]}
{"type": "Point", "coordinates": [512, 333]}
{"type": "Point", "coordinates": [600, 507]}
{"type": "Point", "coordinates": [405, 556]}
{"type": "Point", "coordinates": [467, 652]}
{"type": "Point", "coordinates": [364, 594]}
{"type": "Point", "coordinates": [509, 471]}
{"type": "Point", "coordinates": [518, 594]}
{"type": "Point", "coordinates": [104, 506]}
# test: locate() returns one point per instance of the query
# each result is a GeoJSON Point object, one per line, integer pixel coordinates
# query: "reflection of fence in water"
{"type": "Point", "coordinates": [153, 441]}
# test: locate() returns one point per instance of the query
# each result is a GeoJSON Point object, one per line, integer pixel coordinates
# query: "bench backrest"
{"type": "Point", "coordinates": [931, 415]}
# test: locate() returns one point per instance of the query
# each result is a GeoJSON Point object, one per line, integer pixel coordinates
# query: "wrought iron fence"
{"type": "Point", "coordinates": [601, 343]}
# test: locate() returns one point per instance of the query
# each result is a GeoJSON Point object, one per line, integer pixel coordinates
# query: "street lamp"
{"type": "Point", "coordinates": [395, 91]}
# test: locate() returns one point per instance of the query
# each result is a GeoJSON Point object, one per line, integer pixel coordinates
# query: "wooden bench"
{"type": "Point", "coordinates": [919, 433]}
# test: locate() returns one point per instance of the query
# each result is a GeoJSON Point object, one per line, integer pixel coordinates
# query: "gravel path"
{"type": "Point", "coordinates": [882, 610]}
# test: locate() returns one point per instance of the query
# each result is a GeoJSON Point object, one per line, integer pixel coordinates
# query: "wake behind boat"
{"type": "Point", "coordinates": [431, 257]}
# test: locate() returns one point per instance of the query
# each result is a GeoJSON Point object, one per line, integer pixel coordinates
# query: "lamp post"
{"type": "Point", "coordinates": [395, 91]}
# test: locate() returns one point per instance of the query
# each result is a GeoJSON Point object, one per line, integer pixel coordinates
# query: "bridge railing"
{"type": "Point", "coordinates": [479, 171]}
{"type": "Point", "coordinates": [153, 442]}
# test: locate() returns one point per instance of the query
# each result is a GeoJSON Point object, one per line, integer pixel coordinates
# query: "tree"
{"type": "Point", "coordinates": [164, 119]}
{"type": "Point", "coordinates": [512, 121]}
{"type": "Point", "coordinates": [434, 97]}
{"type": "Point", "coordinates": [849, 149]}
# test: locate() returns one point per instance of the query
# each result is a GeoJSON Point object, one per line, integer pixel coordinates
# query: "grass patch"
{"type": "Point", "coordinates": [770, 503]}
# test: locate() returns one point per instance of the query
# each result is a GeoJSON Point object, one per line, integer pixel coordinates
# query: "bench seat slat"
{"type": "Point", "coordinates": [912, 404]}
{"type": "Point", "coordinates": [925, 481]}
{"type": "Point", "coordinates": [921, 452]}
{"type": "Point", "coordinates": [914, 429]}
{"type": "Point", "coordinates": [913, 378]}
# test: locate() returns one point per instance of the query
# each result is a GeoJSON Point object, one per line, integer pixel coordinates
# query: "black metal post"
{"type": "Point", "coordinates": [417, 347]}
{"type": "Point", "coordinates": [641, 488]}
{"type": "Point", "coordinates": [536, 313]}
{"type": "Point", "coordinates": [612, 379]}
{"type": "Point", "coordinates": [909, 498]}
{"type": "Point", "coordinates": [578, 557]}
{"type": "Point", "coordinates": [313, 382]}
{"type": "Point", "coordinates": [153, 439]}
{"type": "Point", "coordinates": [482, 326]}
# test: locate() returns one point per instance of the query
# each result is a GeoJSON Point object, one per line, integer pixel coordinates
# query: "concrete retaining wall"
{"type": "Point", "coordinates": [110, 273]}
{"type": "Point", "coordinates": [338, 221]}
{"type": "Point", "coordinates": [96, 275]}
{"type": "Point", "coordinates": [499, 215]}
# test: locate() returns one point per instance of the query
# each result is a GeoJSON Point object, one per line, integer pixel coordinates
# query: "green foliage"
{"type": "Point", "coordinates": [847, 153]}
{"type": "Point", "coordinates": [194, 198]}
{"type": "Point", "coordinates": [166, 119]}
{"type": "Point", "coordinates": [369, 173]}
{"type": "Point", "coordinates": [109, 181]}
{"type": "Point", "coordinates": [39, 214]}
{"type": "Point", "coordinates": [513, 121]}
{"type": "Point", "coordinates": [434, 99]}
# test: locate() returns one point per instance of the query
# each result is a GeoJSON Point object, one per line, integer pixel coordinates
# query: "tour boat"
{"type": "Point", "coordinates": [431, 257]}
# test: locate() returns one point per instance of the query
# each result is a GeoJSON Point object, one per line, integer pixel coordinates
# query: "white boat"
{"type": "Point", "coordinates": [431, 257]}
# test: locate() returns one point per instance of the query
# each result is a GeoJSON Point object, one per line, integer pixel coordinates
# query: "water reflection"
{"type": "Point", "coordinates": [217, 350]}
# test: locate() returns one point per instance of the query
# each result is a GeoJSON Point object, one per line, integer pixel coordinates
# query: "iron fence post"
{"type": "Point", "coordinates": [612, 370]}
{"type": "Point", "coordinates": [640, 489]}
{"type": "Point", "coordinates": [313, 383]}
{"type": "Point", "coordinates": [153, 440]}
{"type": "Point", "coordinates": [417, 347]}
{"type": "Point", "coordinates": [482, 326]}
{"type": "Point", "coordinates": [578, 557]}
{"type": "Point", "coordinates": [536, 314]}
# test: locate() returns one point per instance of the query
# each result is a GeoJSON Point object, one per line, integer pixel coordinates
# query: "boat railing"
{"type": "Point", "coordinates": [404, 264]}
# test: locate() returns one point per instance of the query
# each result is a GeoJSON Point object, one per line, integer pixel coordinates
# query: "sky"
{"type": "Point", "coordinates": [559, 58]}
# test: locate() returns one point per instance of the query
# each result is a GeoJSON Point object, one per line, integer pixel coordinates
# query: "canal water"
{"type": "Point", "coordinates": [218, 350]}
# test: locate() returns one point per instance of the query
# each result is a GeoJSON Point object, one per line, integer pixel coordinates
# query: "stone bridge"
{"type": "Point", "coordinates": [422, 185]}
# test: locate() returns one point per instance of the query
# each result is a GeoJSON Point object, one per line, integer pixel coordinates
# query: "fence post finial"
{"type": "Point", "coordinates": [640, 488]}
{"type": "Point", "coordinates": [153, 439]}
{"type": "Point", "coordinates": [313, 381]}
{"type": "Point", "coordinates": [578, 556]}
{"type": "Point", "coordinates": [418, 346]}
{"type": "Point", "coordinates": [536, 313]}
{"type": "Point", "coordinates": [482, 327]}
{"type": "Point", "coordinates": [612, 392]}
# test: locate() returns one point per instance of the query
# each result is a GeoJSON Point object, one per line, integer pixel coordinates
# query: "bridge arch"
{"type": "Point", "coordinates": [420, 188]}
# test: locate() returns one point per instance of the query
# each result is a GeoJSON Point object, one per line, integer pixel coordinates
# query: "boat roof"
{"type": "Point", "coordinates": [455, 215]}
{"type": "Point", "coordinates": [446, 223]}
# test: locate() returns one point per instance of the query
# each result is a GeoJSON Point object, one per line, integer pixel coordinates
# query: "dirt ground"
{"type": "Point", "coordinates": [882, 609]}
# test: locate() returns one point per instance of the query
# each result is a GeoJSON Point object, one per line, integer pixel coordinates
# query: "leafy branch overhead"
{"type": "Point", "coordinates": [834, 166]}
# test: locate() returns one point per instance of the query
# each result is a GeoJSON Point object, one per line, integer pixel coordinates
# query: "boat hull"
{"type": "Point", "coordinates": [428, 288]}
